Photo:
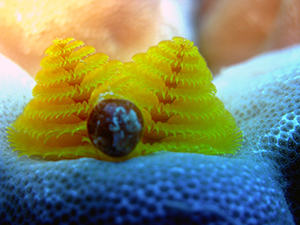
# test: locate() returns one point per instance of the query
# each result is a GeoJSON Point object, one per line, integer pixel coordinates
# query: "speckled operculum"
{"type": "Point", "coordinates": [115, 126]}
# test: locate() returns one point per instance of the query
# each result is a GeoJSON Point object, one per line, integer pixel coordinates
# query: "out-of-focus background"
{"type": "Point", "coordinates": [226, 31]}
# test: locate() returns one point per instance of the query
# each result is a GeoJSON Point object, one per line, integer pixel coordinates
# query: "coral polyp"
{"type": "Point", "coordinates": [163, 100]}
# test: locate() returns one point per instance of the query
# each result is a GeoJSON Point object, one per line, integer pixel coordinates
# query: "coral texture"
{"type": "Point", "coordinates": [161, 188]}
{"type": "Point", "coordinates": [268, 112]}
{"type": "Point", "coordinates": [170, 83]}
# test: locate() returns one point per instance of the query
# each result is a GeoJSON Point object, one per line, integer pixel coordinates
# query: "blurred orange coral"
{"type": "Point", "coordinates": [231, 31]}
{"type": "Point", "coordinates": [118, 28]}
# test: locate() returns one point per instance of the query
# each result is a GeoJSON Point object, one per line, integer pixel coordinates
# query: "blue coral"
{"type": "Point", "coordinates": [256, 186]}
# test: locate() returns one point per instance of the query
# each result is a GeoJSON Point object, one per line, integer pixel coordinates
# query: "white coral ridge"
{"type": "Point", "coordinates": [167, 187]}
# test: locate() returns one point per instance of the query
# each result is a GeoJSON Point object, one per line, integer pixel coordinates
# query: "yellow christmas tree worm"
{"type": "Point", "coordinates": [165, 97]}
{"type": "Point", "coordinates": [172, 85]}
{"type": "Point", "coordinates": [54, 123]}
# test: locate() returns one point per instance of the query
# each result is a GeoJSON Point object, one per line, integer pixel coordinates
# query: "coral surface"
{"type": "Point", "coordinates": [251, 187]}
{"type": "Point", "coordinates": [268, 112]}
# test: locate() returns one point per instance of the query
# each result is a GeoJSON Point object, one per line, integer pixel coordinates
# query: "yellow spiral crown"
{"type": "Point", "coordinates": [53, 124]}
{"type": "Point", "coordinates": [172, 84]}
